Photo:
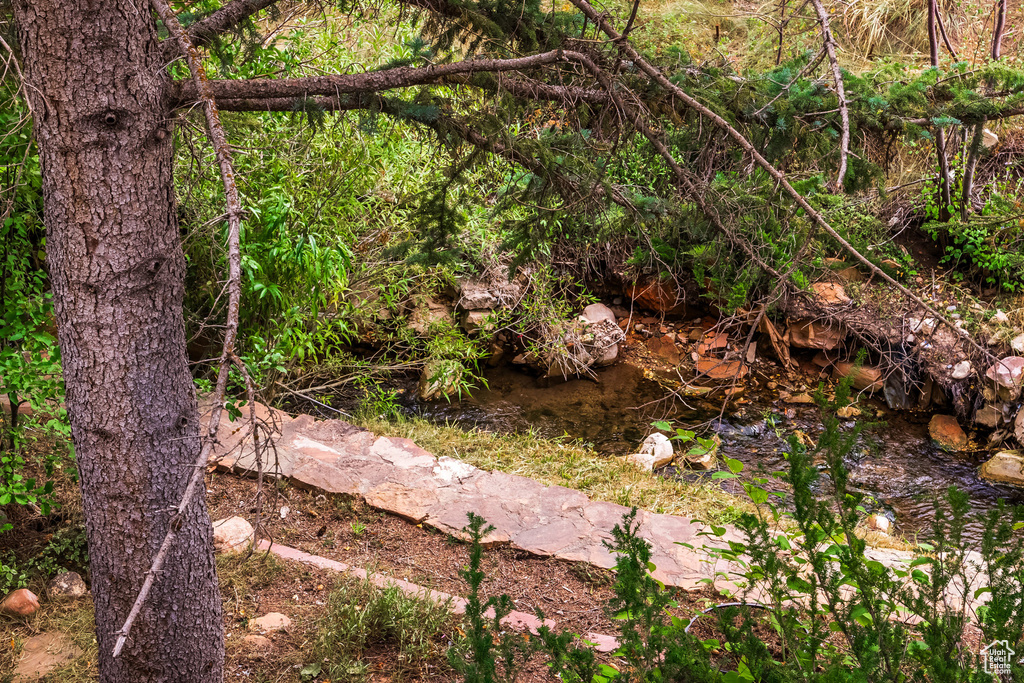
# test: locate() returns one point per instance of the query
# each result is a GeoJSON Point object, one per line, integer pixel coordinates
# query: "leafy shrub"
{"type": "Point", "coordinates": [67, 550]}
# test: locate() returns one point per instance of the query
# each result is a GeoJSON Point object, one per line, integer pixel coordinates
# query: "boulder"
{"type": "Point", "coordinates": [810, 334]}
{"type": "Point", "coordinates": [595, 313]}
{"type": "Point", "coordinates": [962, 370]}
{"type": "Point", "coordinates": [232, 535]}
{"type": "Point", "coordinates": [66, 585]}
{"type": "Point", "coordinates": [427, 315]}
{"type": "Point", "coordinates": [865, 378]}
{"type": "Point", "coordinates": [660, 296]}
{"type": "Point", "coordinates": [270, 622]}
{"type": "Point", "coordinates": [473, 321]}
{"type": "Point", "coordinates": [20, 603]}
{"type": "Point", "coordinates": [656, 451]}
{"type": "Point", "coordinates": [475, 295]}
{"type": "Point", "coordinates": [946, 432]}
{"type": "Point", "coordinates": [439, 379]}
{"type": "Point", "coordinates": [1005, 467]}
{"type": "Point", "coordinates": [830, 293]}
{"type": "Point", "coordinates": [1008, 374]}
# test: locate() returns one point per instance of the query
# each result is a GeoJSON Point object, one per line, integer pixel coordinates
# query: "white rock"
{"type": "Point", "coordinates": [232, 534]}
{"type": "Point", "coordinates": [656, 451]}
{"type": "Point", "coordinates": [595, 313]}
{"type": "Point", "coordinates": [1017, 343]}
{"type": "Point", "coordinates": [925, 327]}
{"type": "Point", "coordinates": [962, 370]}
{"type": "Point", "coordinates": [878, 523]}
{"type": "Point", "coordinates": [989, 139]}
{"type": "Point", "coordinates": [284, 511]}
{"type": "Point", "coordinates": [1000, 317]}
{"type": "Point", "coordinates": [911, 339]}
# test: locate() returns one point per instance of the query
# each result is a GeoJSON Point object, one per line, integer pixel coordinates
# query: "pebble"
{"type": "Point", "coordinates": [1000, 317]}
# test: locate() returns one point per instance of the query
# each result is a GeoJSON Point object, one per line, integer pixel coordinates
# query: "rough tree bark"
{"type": "Point", "coordinates": [98, 86]}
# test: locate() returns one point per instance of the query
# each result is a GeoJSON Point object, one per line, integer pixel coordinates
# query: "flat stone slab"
{"type": "Point", "coordinates": [396, 475]}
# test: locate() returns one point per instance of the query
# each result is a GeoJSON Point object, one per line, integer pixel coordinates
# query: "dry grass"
{"type": "Point", "coordinates": [565, 463]}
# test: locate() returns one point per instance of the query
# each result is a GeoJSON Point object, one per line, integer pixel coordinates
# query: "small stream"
{"type": "Point", "coordinates": [904, 471]}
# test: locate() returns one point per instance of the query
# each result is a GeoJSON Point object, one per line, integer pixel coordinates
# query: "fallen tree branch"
{"type": "Point", "coordinates": [837, 75]}
{"type": "Point", "coordinates": [658, 77]}
{"type": "Point", "coordinates": [218, 139]}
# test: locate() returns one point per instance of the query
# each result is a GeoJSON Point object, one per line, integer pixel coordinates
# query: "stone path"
{"type": "Point", "coordinates": [397, 476]}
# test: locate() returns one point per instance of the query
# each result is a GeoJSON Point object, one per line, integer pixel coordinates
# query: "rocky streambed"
{"type": "Point", "coordinates": [949, 395]}
{"type": "Point", "coordinates": [899, 465]}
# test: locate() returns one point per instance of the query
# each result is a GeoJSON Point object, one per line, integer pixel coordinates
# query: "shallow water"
{"type": "Point", "coordinates": [904, 472]}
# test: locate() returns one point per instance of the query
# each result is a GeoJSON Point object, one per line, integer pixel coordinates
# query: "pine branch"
{"type": "Point", "coordinates": [368, 81]}
{"type": "Point", "coordinates": [205, 31]}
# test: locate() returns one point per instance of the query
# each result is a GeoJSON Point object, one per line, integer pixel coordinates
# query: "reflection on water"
{"type": "Point", "coordinates": [904, 471]}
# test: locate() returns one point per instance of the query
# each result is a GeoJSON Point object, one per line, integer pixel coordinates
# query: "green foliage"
{"type": "Point", "coordinates": [838, 610]}
{"type": "Point", "coordinates": [66, 551]}
{"type": "Point", "coordinates": [30, 375]}
{"type": "Point", "coordinates": [360, 616]}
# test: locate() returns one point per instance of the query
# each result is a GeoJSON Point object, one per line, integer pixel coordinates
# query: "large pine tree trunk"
{"type": "Point", "coordinates": [97, 86]}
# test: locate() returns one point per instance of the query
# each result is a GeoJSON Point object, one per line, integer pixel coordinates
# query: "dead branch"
{"type": "Point", "coordinates": [837, 75]}
{"type": "Point", "coordinates": [218, 139]}
{"type": "Point", "coordinates": [1000, 27]}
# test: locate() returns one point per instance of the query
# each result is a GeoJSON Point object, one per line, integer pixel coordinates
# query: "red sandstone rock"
{"type": "Point", "coordinates": [946, 432]}
{"type": "Point", "coordinates": [809, 334]}
{"type": "Point", "coordinates": [20, 603]}
{"type": "Point", "coordinates": [656, 295]}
